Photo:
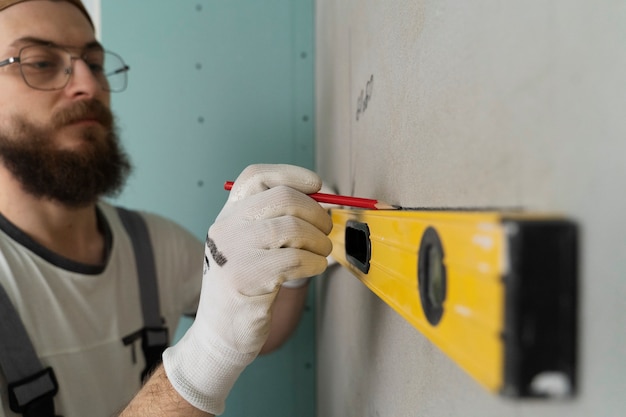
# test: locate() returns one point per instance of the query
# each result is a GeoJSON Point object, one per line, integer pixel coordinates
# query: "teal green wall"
{"type": "Point", "coordinates": [216, 86]}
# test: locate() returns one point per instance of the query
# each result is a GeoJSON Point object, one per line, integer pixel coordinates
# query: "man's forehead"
{"type": "Point", "coordinates": [78, 3]}
{"type": "Point", "coordinates": [43, 21]}
{"type": "Point", "coordinates": [32, 40]}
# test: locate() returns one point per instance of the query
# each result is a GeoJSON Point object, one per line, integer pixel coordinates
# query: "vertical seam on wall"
{"type": "Point", "coordinates": [302, 27]}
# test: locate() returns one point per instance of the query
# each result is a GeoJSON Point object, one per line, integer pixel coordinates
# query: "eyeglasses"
{"type": "Point", "coordinates": [49, 67]}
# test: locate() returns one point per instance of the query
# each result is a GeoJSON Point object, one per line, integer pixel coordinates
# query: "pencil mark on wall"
{"type": "Point", "coordinates": [364, 97]}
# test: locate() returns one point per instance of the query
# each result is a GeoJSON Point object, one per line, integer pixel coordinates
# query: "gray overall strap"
{"type": "Point", "coordinates": [154, 335]}
{"type": "Point", "coordinates": [31, 386]}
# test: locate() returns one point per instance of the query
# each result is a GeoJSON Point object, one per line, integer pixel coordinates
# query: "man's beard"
{"type": "Point", "coordinates": [76, 178]}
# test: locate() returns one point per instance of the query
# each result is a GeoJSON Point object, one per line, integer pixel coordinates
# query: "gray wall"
{"type": "Point", "coordinates": [483, 103]}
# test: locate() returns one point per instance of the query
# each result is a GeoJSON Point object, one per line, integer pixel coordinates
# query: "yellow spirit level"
{"type": "Point", "coordinates": [495, 291]}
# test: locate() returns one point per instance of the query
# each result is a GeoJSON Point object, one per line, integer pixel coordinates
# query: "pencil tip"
{"type": "Point", "coordinates": [385, 206]}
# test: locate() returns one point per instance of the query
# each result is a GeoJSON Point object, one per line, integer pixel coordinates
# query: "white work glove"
{"type": "Point", "coordinates": [268, 232]}
{"type": "Point", "coordinates": [299, 283]}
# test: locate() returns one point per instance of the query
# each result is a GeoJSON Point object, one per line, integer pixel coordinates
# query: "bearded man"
{"type": "Point", "coordinates": [66, 260]}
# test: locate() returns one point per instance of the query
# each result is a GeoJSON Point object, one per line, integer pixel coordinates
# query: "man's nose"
{"type": "Point", "coordinates": [82, 80]}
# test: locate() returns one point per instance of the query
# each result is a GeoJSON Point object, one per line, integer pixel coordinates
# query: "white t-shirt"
{"type": "Point", "coordinates": [77, 314]}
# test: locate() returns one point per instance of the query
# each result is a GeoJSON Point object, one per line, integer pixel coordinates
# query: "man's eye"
{"type": "Point", "coordinates": [41, 65]}
{"type": "Point", "coordinates": [96, 68]}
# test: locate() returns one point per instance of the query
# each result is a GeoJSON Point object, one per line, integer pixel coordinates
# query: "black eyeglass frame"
{"type": "Point", "coordinates": [17, 60]}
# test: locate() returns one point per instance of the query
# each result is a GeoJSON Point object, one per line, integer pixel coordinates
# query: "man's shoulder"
{"type": "Point", "coordinates": [158, 225]}
{"type": "Point", "coordinates": [111, 212]}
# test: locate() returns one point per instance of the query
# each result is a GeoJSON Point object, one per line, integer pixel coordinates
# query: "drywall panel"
{"type": "Point", "coordinates": [215, 86]}
{"type": "Point", "coordinates": [463, 104]}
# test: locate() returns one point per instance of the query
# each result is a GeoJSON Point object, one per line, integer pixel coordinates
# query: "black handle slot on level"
{"type": "Point", "coordinates": [358, 245]}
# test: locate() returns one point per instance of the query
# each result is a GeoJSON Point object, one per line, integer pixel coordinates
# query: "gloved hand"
{"type": "Point", "coordinates": [268, 232]}
{"type": "Point", "coordinates": [298, 283]}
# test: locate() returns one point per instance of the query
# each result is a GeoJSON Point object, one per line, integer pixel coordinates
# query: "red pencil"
{"type": "Point", "coordinates": [342, 200]}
